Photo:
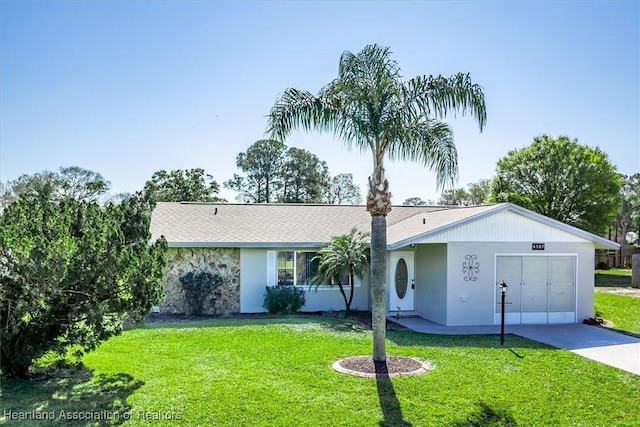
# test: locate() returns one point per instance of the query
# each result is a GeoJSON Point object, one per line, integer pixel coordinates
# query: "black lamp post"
{"type": "Point", "coordinates": [503, 291]}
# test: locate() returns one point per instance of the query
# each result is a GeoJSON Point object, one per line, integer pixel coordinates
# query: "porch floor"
{"type": "Point", "coordinates": [419, 324]}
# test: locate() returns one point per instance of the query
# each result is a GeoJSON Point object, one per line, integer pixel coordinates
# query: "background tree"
{"type": "Point", "coordinates": [70, 271]}
{"type": "Point", "coordinates": [261, 164]}
{"type": "Point", "coordinates": [628, 216]}
{"type": "Point", "coordinates": [454, 197]}
{"type": "Point", "coordinates": [5, 195]}
{"type": "Point", "coordinates": [477, 194]}
{"type": "Point", "coordinates": [559, 178]}
{"type": "Point", "coordinates": [346, 255]}
{"type": "Point", "coordinates": [414, 201]}
{"type": "Point", "coordinates": [189, 185]}
{"type": "Point", "coordinates": [117, 197]}
{"type": "Point", "coordinates": [369, 105]}
{"type": "Point", "coordinates": [275, 173]}
{"type": "Point", "coordinates": [82, 184]}
{"type": "Point", "coordinates": [342, 190]}
{"type": "Point", "coordinates": [72, 181]}
{"type": "Point", "coordinates": [303, 177]}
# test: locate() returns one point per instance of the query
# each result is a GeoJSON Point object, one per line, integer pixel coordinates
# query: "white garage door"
{"type": "Point", "coordinates": [540, 289]}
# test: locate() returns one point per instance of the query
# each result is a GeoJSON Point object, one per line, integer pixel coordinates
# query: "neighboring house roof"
{"type": "Point", "coordinates": [310, 225]}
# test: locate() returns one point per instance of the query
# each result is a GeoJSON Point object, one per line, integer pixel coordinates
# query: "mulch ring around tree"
{"type": "Point", "coordinates": [396, 366]}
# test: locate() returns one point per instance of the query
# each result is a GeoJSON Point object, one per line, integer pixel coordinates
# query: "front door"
{"type": "Point", "coordinates": [401, 281]}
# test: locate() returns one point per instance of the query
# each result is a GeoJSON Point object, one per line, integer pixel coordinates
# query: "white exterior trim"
{"type": "Point", "coordinates": [505, 224]}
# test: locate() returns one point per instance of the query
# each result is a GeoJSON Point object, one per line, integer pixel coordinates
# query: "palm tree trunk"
{"type": "Point", "coordinates": [350, 292]}
{"type": "Point", "coordinates": [378, 288]}
{"type": "Point", "coordinates": [379, 205]}
{"type": "Point", "coordinates": [344, 295]}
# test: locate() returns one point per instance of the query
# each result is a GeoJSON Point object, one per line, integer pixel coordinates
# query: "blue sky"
{"type": "Point", "coordinates": [126, 88]}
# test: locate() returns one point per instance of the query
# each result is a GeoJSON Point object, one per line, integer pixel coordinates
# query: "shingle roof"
{"type": "Point", "coordinates": [224, 224]}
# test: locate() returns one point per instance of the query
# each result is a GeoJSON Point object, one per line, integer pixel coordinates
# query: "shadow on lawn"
{"type": "Point", "coordinates": [70, 396]}
{"type": "Point", "coordinates": [389, 402]}
{"type": "Point", "coordinates": [610, 280]}
{"type": "Point", "coordinates": [487, 416]}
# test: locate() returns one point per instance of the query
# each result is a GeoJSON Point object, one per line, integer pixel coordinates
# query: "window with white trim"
{"type": "Point", "coordinates": [295, 268]}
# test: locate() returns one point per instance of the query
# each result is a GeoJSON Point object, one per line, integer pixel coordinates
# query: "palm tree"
{"type": "Point", "coordinates": [369, 106]}
{"type": "Point", "coordinates": [344, 255]}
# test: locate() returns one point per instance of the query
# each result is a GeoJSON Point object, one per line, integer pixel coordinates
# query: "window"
{"type": "Point", "coordinates": [296, 268]}
{"type": "Point", "coordinates": [293, 268]}
{"type": "Point", "coordinates": [285, 268]}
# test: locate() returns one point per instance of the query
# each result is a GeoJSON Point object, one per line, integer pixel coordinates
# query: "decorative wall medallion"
{"type": "Point", "coordinates": [470, 267]}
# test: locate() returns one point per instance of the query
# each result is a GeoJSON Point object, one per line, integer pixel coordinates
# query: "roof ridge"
{"type": "Point", "coordinates": [440, 207]}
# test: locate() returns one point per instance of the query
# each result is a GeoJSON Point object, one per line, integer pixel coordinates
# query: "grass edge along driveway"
{"type": "Point", "coordinates": [276, 372]}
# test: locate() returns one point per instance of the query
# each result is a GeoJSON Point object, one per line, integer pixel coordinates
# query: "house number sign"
{"type": "Point", "coordinates": [537, 246]}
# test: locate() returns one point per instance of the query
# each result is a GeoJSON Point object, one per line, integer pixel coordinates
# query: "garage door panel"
{"type": "Point", "coordinates": [562, 269]}
{"type": "Point", "coordinates": [509, 270]}
{"type": "Point", "coordinates": [562, 317]}
{"type": "Point", "coordinates": [534, 298]}
{"type": "Point", "coordinates": [534, 269]}
{"type": "Point", "coordinates": [541, 289]}
{"type": "Point", "coordinates": [534, 318]}
{"type": "Point", "coordinates": [513, 299]}
{"type": "Point", "coordinates": [561, 297]}
{"type": "Point", "coordinates": [534, 286]}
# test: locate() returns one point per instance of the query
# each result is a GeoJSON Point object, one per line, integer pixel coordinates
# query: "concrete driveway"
{"type": "Point", "coordinates": [602, 345]}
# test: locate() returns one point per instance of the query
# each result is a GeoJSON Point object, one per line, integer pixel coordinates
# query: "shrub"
{"type": "Point", "coordinates": [70, 270]}
{"type": "Point", "coordinates": [283, 299]}
{"type": "Point", "coordinates": [197, 288]}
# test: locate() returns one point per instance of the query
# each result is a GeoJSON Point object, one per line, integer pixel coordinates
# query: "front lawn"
{"type": "Point", "coordinates": [276, 372]}
{"type": "Point", "coordinates": [623, 311]}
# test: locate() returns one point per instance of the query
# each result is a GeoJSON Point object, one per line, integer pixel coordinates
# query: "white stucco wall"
{"type": "Point", "coordinates": [431, 282]}
{"type": "Point", "coordinates": [473, 302]}
{"type": "Point", "coordinates": [253, 280]}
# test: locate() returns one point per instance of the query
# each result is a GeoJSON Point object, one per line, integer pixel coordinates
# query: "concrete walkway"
{"type": "Point", "coordinates": [602, 345]}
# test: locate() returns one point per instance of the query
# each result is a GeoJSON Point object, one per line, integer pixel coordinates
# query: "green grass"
{"type": "Point", "coordinates": [614, 277]}
{"type": "Point", "coordinates": [622, 310]}
{"type": "Point", "coordinates": [615, 272]}
{"type": "Point", "coordinates": [276, 372]}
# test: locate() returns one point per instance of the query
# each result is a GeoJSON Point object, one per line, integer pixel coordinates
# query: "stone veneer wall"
{"type": "Point", "coordinates": [222, 261]}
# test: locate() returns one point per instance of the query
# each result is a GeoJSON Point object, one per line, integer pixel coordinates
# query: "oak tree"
{"type": "Point", "coordinates": [564, 180]}
{"type": "Point", "coordinates": [190, 185]}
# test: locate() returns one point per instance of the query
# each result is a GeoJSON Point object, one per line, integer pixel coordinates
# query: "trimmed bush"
{"type": "Point", "coordinates": [197, 288]}
{"type": "Point", "coordinates": [283, 299]}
